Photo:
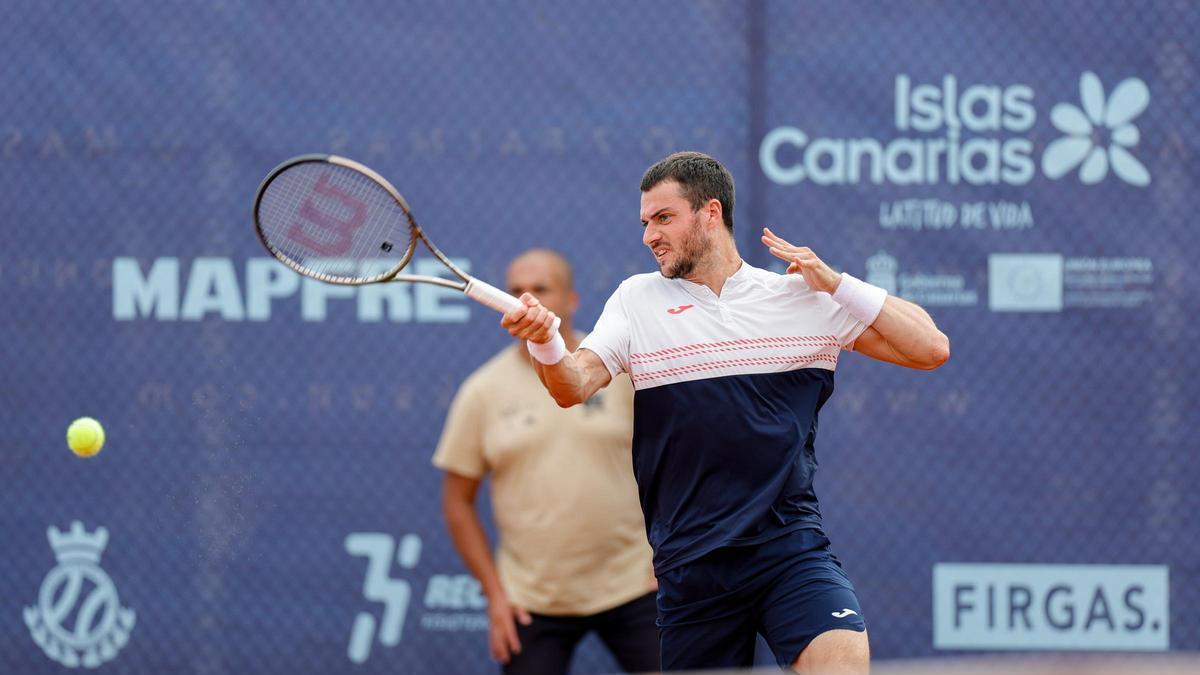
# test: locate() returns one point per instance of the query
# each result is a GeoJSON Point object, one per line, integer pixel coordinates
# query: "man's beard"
{"type": "Point", "coordinates": [690, 252]}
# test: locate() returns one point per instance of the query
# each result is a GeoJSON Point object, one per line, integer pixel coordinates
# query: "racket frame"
{"type": "Point", "coordinates": [393, 273]}
{"type": "Point", "coordinates": [477, 290]}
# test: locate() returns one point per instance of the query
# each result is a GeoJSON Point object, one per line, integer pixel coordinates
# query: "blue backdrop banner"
{"type": "Point", "coordinates": [1025, 171]}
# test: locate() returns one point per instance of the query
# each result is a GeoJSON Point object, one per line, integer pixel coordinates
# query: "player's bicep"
{"type": "Point", "coordinates": [872, 343]}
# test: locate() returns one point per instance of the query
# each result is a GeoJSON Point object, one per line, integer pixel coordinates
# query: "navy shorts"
{"type": "Point", "coordinates": [790, 589]}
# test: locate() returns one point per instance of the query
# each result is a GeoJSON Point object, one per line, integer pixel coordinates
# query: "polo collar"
{"type": "Point", "coordinates": [743, 275]}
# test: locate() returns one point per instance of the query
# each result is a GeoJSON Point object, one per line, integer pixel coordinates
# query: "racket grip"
{"type": "Point", "coordinates": [487, 294]}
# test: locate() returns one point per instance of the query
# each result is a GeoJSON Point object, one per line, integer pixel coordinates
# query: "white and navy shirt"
{"type": "Point", "coordinates": [727, 394]}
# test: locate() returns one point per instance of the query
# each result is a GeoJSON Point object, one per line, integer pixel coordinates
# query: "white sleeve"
{"type": "Point", "coordinates": [610, 338]}
{"type": "Point", "coordinates": [832, 318]}
{"type": "Point", "coordinates": [840, 322]}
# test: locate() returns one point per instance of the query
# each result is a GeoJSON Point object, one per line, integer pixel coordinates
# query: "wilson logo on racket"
{"type": "Point", "coordinates": [680, 309]}
{"type": "Point", "coordinates": [338, 233]}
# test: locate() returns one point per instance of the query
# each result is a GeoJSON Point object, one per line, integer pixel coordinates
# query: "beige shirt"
{"type": "Point", "coordinates": [572, 540]}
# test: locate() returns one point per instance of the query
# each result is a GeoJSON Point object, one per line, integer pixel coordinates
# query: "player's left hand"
{"type": "Point", "coordinates": [801, 259]}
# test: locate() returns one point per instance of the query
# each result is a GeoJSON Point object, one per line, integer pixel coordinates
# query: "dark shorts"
{"type": "Point", "coordinates": [790, 589]}
{"type": "Point", "coordinates": [627, 630]}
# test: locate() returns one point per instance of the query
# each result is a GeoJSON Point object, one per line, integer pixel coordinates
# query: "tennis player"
{"type": "Point", "coordinates": [731, 365]}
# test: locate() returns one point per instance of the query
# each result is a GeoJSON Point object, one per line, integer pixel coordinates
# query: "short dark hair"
{"type": "Point", "coordinates": [700, 179]}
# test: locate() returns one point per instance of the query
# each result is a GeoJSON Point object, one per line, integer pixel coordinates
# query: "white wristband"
{"type": "Point", "coordinates": [548, 353]}
{"type": "Point", "coordinates": [862, 300]}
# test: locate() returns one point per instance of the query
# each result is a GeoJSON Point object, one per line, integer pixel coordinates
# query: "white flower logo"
{"type": "Point", "coordinates": [1086, 130]}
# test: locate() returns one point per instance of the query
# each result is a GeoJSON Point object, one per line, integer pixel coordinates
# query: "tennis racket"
{"type": "Point", "coordinates": [337, 221]}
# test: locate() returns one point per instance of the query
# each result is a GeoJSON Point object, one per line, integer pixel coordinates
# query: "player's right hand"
{"type": "Point", "coordinates": [532, 321]}
{"type": "Point", "coordinates": [502, 627]}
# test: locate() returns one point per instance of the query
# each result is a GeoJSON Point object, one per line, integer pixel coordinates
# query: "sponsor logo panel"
{"type": "Point", "coordinates": [450, 602]}
{"type": "Point", "coordinates": [1067, 607]}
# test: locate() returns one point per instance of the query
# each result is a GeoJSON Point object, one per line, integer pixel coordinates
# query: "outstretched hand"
{"type": "Point", "coordinates": [531, 321]}
{"type": "Point", "coordinates": [801, 259]}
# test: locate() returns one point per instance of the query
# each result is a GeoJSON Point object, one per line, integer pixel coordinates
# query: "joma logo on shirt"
{"type": "Point", "coordinates": [680, 309]}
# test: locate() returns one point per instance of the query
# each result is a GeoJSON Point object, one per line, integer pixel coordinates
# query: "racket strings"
{"type": "Point", "coordinates": [335, 223]}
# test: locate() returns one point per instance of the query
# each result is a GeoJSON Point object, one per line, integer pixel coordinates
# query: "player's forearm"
{"type": "Point", "coordinates": [911, 331]}
{"type": "Point", "coordinates": [566, 381]}
{"type": "Point", "coordinates": [470, 540]}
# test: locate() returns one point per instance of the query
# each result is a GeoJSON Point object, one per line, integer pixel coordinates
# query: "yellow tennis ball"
{"type": "Point", "coordinates": [85, 436]}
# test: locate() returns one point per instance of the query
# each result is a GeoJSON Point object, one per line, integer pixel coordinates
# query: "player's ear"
{"type": "Point", "coordinates": [713, 210]}
{"type": "Point", "coordinates": [573, 301]}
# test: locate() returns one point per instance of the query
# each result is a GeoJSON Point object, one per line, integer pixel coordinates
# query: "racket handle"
{"type": "Point", "coordinates": [487, 294]}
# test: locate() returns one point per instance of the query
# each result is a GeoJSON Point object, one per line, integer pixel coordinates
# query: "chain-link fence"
{"type": "Point", "coordinates": [1022, 170]}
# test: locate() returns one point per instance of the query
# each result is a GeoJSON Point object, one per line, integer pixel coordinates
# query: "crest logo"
{"type": "Point", "coordinates": [881, 271]}
{"type": "Point", "coordinates": [78, 619]}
